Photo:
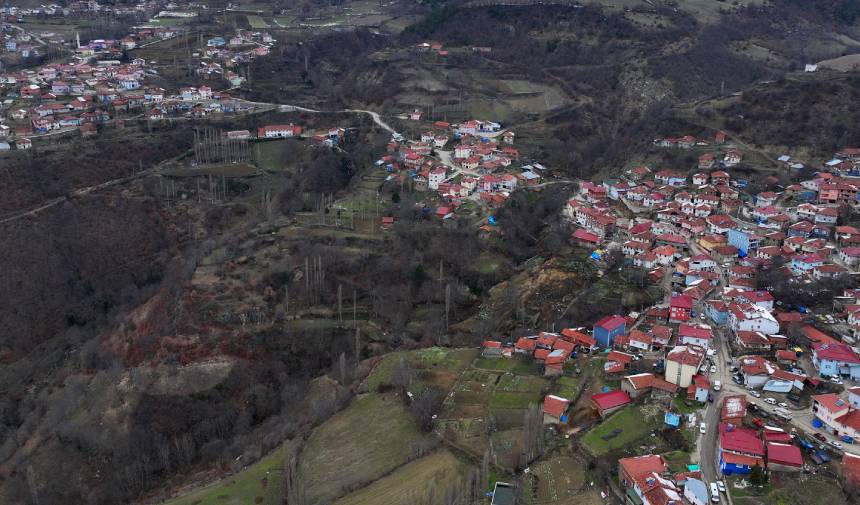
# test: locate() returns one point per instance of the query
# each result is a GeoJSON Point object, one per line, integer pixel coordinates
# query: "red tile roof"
{"type": "Point", "coordinates": [641, 380]}
{"type": "Point", "coordinates": [836, 352]}
{"type": "Point", "coordinates": [743, 440]}
{"type": "Point", "coordinates": [609, 323]}
{"type": "Point", "coordinates": [577, 337]}
{"type": "Point", "coordinates": [851, 468]}
{"type": "Point", "coordinates": [682, 302]}
{"type": "Point", "coordinates": [526, 344]}
{"type": "Point", "coordinates": [620, 357]}
{"type": "Point", "coordinates": [831, 402]}
{"type": "Point", "coordinates": [699, 332]}
{"type": "Point", "coordinates": [555, 405]}
{"type": "Point", "coordinates": [784, 454]}
{"type": "Point", "coordinates": [641, 465]}
{"type": "Point", "coordinates": [685, 355]}
{"type": "Point", "coordinates": [734, 406]}
{"type": "Point", "coordinates": [611, 399]}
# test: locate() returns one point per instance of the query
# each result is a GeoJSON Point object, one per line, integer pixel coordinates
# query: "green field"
{"type": "Point", "coordinates": [634, 425]}
{"type": "Point", "coordinates": [372, 437]}
{"type": "Point", "coordinates": [515, 365]}
{"type": "Point", "coordinates": [568, 387]}
{"type": "Point", "coordinates": [521, 383]}
{"type": "Point", "coordinates": [431, 359]}
{"type": "Point", "coordinates": [787, 489]}
{"type": "Point", "coordinates": [514, 400]}
{"type": "Point", "coordinates": [415, 477]}
{"type": "Point", "coordinates": [260, 480]}
{"type": "Point", "coordinates": [256, 22]}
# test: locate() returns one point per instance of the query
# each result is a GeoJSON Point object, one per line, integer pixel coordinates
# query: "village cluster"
{"type": "Point", "coordinates": [779, 384]}
{"type": "Point", "coordinates": [99, 82]}
{"type": "Point", "coordinates": [474, 160]}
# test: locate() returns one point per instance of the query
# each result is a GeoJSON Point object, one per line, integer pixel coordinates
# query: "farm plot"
{"type": "Point", "coordinates": [259, 483]}
{"type": "Point", "coordinates": [621, 429]}
{"type": "Point", "coordinates": [415, 477]}
{"type": "Point", "coordinates": [560, 479]}
{"type": "Point", "coordinates": [372, 437]}
{"type": "Point", "coordinates": [256, 22]}
{"type": "Point", "coordinates": [431, 362]}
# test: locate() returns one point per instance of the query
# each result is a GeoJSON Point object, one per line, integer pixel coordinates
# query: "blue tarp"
{"type": "Point", "coordinates": [816, 423]}
{"type": "Point", "coordinates": [672, 419]}
{"type": "Point", "coordinates": [595, 256]}
{"type": "Point", "coordinates": [492, 220]}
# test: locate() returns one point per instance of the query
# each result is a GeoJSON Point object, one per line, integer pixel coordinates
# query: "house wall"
{"type": "Point", "coordinates": [776, 467]}
{"type": "Point", "coordinates": [686, 373]}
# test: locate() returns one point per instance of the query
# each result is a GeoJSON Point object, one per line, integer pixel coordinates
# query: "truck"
{"type": "Point", "coordinates": [782, 413]}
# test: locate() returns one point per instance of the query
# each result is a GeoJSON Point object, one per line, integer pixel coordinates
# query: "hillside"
{"type": "Point", "coordinates": [183, 329]}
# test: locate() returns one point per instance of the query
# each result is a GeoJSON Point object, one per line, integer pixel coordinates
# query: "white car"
{"type": "Point", "coordinates": [770, 401]}
{"type": "Point", "coordinates": [755, 394]}
{"type": "Point", "coordinates": [836, 380]}
{"type": "Point", "coordinates": [702, 315]}
{"type": "Point", "coordinates": [836, 444]}
{"type": "Point", "coordinates": [721, 486]}
{"type": "Point", "coordinates": [703, 428]}
{"type": "Point", "coordinates": [713, 368]}
{"type": "Point", "coordinates": [782, 404]}
{"type": "Point", "coordinates": [718, 385]}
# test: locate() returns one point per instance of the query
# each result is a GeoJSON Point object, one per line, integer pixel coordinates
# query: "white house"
{"type": "Point", "coordinates": [749, 317]}
{"type": "Point", "coordinates": [437, 176]}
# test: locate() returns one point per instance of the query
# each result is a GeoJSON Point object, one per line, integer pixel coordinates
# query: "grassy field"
{"type": "Point", "coordinates": [568, 387]}
{"type": "Point", "coordinates": [269, 155]}
{"type": "Point", "coordinates": [262, 480]}
{"type": "Point", "coordinates": [514, 400]}
{"type": "Point", "coordinates": [415, 477]}
{"type": "Point", "coordinates": [560, 479]}
{"type": "Point", "coordinates": [489, 262]}
{"type": "Point", "coordinates": [634, 425]}
{"type": "Point", "coordinates": [256, 22]}
{"type": "Point", "coordinates": [787, 489]}
{"type": "Point", "coordinates": [677, 460]}
{"type": "Point", "coordinates": [369, 439]}
{"type": "Point", "coordinates": [520, 366]}
{"type": "Point", "coordinates": [437, 359]}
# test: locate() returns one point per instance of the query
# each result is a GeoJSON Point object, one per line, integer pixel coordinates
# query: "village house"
{"type": "Point", "coordinates": [606, 329]}
{"type": "Point", "coordinates": [695, 334]}
{"type": "Point", "coordinates": [554, 409]}
{"type": "Point", "coordinates": [279, 131]}
{"type": "Point", "coordinates": [837, 415]}
{"type": "Point", "coordinates": [749, 317]}
{"type": "Point", "coordinates": [740, 449]}
{"type": "Point", "coordinates": [609, 402]}
{"type": "Point", "coordinates": [836, 360]}
{"type": "Point", "coordinates": [682, 363]}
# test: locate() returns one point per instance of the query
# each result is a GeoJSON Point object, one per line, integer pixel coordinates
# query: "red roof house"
{"type": "Point", "coordinates": [609, 402]}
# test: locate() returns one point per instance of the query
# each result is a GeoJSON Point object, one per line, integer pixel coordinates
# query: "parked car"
{"type": "Point", "coordinates": [782, 405]}
{"type": "Point", "coordinates": [793, 398]}
{"type": "Point", "coordinates": [703, 428]}
{"type": "Point", "coordinates": [718, 385]}
{"type": "Point", "coordinates": [713, 369]}
{"type": "Point", "coordinates": [770, 401]}
{"type": "Point", "coordinates": [722, 486]}
{"type": "Point", "coordinates": [755, 394]}
{"type": "Point", "coordinates": [715, 493]}
{"type": "Point", "coordinates": [836, 380]}
{"type": "Point", "coordinates": [819, 437]}
{"type": "Point", "coordinates": [836, 444]}
{"type": "Point", "coordinates": [763, 414]}
{"type": "Point", "coordinates": [757, 422]}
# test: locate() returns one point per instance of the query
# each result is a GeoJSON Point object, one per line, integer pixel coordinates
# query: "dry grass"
{"type": "Point", "coordinates": [415, 477]}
